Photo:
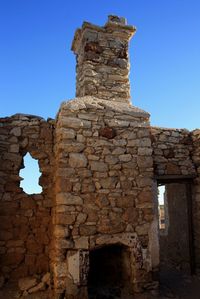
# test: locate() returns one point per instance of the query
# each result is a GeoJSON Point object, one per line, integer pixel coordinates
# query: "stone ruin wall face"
{"type": "Point", "coordinates": [25, 220]}
{"type": "Point", "coordinates": [176, 153]}
{"type": "Point", "coordinates": [172, 152]}
{"type": "Point", "coordinates": [174, 166]}
{"type": "Point", "coordinates": [100, 162]}
{"type": "Point", "coordinates": [112, 167]}
{"type": "Point", "coordinates": [104, 180]}
{"type": "Point", "coordinates": [104, 166]}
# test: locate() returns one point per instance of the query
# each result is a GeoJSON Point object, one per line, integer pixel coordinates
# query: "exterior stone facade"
{"type": "Point", "coordinates": [25, 220]}
{"type": "Point", "coordinates": [100, 162]}
{"type": "Point", "coordinates": [103, 185]}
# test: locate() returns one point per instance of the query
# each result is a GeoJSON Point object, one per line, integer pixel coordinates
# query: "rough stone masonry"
{"type": "Point", "coordinates": [100, 162]}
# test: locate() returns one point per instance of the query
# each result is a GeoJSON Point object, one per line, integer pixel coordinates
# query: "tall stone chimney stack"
{"type": "Point", "coordinates": [103, 60]}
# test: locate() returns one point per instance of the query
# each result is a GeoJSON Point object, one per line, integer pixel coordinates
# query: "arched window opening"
{"type": "Point", "coordinates": [30, 175]}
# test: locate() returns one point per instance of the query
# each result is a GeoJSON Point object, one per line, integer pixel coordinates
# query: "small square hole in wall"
{"type": "Point", "coordinates": [30, 175]}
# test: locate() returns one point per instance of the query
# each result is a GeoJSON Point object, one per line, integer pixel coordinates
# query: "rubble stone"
{"type": "Point", "coordinates": [27, 283]}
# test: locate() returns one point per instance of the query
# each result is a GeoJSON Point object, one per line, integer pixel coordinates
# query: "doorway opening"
{"type": "Point", "coordinates": [109, 273]}
{"type": "Point", "coordinates": [175, 226]}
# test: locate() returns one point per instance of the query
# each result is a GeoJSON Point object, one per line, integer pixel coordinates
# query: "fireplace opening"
{"type": "Point", "coordinates": [109, 273]}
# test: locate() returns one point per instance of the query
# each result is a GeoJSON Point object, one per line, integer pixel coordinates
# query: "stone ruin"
{"type": "Point", "coordinates": [94, 226]}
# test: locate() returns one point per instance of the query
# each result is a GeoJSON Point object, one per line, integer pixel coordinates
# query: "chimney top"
{"type": "Point", "coordinates": [116, 19]}
{"type": "Point", "coordinates": [114, 22]}
{"type": "Point", "coordinates": [103, 59]}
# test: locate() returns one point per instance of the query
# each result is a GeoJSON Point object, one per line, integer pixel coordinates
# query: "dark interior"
{"type": "Point", "coordinates": [106, 275]}
{"type": "Point", "coordinates": [175, 247]}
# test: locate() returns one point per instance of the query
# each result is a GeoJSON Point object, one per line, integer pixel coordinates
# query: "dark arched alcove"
{"type": "Point", "coordinates": [109, 272]}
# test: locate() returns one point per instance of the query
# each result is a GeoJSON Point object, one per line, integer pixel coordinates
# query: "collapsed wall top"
{"type": "Point", "coordinates": [103, 60]}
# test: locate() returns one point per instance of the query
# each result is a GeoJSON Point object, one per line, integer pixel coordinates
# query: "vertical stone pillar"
{"type": "Point", "coordinates": [103, 60]}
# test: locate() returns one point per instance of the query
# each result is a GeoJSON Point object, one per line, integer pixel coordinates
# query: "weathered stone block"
{"type": "Point", "coordinates": [73, 122]}
{"type": "Point", "coordinates": [88, 116]}
{"type": "Point", "coordinates": [125, 158]}
{"type": "Point", "coordinates": [145, 151]}
{"type": "Point", "coordinates": [26, 283]}
{"type": "Point", "coordinates": [143, 142]}
{"type": "Point", "coordinates": [64, 219]}
{"type": "Point", "coordinates": [76, 147]}
{"type": "Point", "coordinates": [87, 230]}
{"type": "Point", "coordinates": [144, 162]}
{"type": "Point", "coordinates": [172, 168]}
{"type": "Point", "coordinates": [108, 183]}
{"type": "Point", "coordinates": [111, 159]}
{"type": "Point", "coordinates": [81, 242]}
{"type": "Point", "coordinates": [14, 148]}
{"type": "Point", "coordinates": [81, 218]}
{"type": "Point", "coordinates": [93, 157]}
{"type": "Point", "coordinates": [107, 132]}
{"type": "Point", "coordinates": [60, 231]}
{"type": "Point", "coordinates": [64, 133]}
{"type": "Point", "coordinates": [88, 187]}
{"type": "Point", "coordinates": [77, 160]}
{"type": "Point", "coordinates": [142, 229]}
{"type": "Point", "coordinates": [16, 131]}
{"type": "Point", "coordinates": [98, 166]}
{"type": "Point", "coordinates": [106, 227]}
{"type": "Point", "coordinates": [39, 287]}
{"type": "Point", "coordinates": [68, 199]}
{"type": "Point", "coordinates": [118, 151]}
{"type": "Point", "coordinates": [125, 202]}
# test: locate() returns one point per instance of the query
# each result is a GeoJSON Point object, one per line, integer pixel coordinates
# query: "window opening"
{"type": "Point", "coordinates": [161, 207]}
{"type": "Point", "coordinates": [30, 175]}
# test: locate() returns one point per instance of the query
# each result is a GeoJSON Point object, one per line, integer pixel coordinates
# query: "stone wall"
{"type": "Point", "coordinates": [172, 152]}
{"type": "Point", "coordinates": [176, 158]}
{"type": "Point", "coordinates": [25, 220]}
{"type": "Point", "coordinates": [196, 197]}
{"type": "Point", "coordinates": [104, 180]}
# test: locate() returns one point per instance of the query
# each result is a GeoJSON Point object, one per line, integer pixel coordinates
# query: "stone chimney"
{"type": "Point", "coordinates": [103, 60]}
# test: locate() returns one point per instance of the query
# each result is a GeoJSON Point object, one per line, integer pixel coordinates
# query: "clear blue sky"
{"type": "Point", "coordinates": [37, 68]}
